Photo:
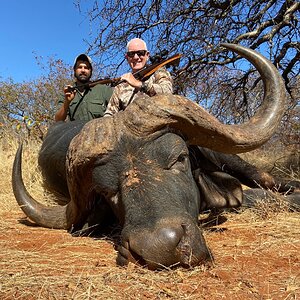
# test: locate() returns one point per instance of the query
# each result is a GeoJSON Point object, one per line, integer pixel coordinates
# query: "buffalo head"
{"type": "Point", "coordinates": [135, 166]}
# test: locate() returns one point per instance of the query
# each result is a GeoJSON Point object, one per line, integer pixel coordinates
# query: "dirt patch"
{"type": "Point", "coordinates": [253, 259]}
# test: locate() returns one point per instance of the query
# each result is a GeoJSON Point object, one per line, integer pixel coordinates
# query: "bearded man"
{"type": "Point", "coordinates": [80, 101]}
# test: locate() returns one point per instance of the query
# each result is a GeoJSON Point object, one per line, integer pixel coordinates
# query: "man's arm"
{"type": "Point", "coordinates": [160, 82]}
{"type": "Point", "coordinates": [113, 105]}
{"type": "Point", "coordinates": [62, 113]}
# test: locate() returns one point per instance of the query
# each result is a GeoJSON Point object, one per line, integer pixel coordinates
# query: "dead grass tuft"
{"type": "Point", "coordinates": [278, 163]}
{"type": "Point", "coordinates": [269, 208]}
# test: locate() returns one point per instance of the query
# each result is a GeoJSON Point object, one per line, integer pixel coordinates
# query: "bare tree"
{"type": "Point", "coordinates": [196, 29]}
{"type": "Point", "coordinates": [30, 106]}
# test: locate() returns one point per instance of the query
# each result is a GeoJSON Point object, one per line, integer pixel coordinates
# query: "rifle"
{"type": "Point", "coordinates": [141, 75]}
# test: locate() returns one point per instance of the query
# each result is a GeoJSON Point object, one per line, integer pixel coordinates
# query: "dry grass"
{"type": "Point", "coordinates": [256, 255]}
{"type": "Point", "coordinates": [277, 162]}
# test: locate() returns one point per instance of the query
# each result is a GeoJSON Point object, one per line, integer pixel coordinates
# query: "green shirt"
{"type": "Point", "coordinates": [89, 105]}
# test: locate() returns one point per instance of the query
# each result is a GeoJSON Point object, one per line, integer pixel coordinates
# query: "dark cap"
{"type": "Point", "coordinates": [83, 57]}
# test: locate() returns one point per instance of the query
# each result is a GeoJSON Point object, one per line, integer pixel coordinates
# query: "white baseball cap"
{"type": "Point", "coordinates": [83, 57]}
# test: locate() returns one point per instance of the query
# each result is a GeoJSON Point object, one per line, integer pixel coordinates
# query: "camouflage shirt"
{"type": "Point", "coordinates": [159, 83]}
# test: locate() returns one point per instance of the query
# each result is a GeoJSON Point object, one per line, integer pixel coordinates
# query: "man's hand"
{"type": "Point", "coordinates": [128, 77]}
{"type": "Point", "coordinates": [69, 93]}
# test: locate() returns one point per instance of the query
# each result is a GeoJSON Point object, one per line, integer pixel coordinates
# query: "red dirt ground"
{"type": "Point", "coordinates": [255, 258]}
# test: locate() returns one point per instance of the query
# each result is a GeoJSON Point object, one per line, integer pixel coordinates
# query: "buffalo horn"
{"type": "Point", "coordinates": [148, 115]}
{"type": "Point", "coordinates": [50, 217]}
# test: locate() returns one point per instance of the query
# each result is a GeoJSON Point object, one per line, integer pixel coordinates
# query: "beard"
{"type": "Point", "coordinates": [82, 78]}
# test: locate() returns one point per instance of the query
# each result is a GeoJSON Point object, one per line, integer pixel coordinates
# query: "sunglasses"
{"type": "Point", "coordinates": [139, 53]}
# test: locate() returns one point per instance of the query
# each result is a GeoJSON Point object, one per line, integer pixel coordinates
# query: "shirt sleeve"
{"type": "Point", "coordinates": [60, 101]}
{"type": "Point", "coordinates": [160, 82]}
{"type": "Point", "coordinates": [113, 105]}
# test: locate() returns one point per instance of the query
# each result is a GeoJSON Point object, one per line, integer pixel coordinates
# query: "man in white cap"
{"type": "Point", "coordinates": [83, 103]}
{"type": "Point", "coordinates": [160, 82]}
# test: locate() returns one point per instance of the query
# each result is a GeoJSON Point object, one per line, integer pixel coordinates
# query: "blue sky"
{"type": "Point", "coordinates": [42, 27]}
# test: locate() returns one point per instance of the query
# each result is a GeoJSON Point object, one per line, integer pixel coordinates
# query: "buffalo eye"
{"type": "Point", "coordinates": [181, 163]}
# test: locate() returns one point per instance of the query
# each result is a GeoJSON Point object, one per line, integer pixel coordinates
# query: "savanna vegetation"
{"type": "Point", "coordinates": [256, 251]}
{"type": "Point", "coordinates": [218, 80]}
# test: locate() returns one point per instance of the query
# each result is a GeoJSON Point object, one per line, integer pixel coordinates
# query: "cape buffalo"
{"type": "Point", "coordinates": [144, 167]}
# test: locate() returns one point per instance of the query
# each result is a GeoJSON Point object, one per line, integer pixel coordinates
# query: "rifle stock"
{"type": "Point", "coordinates": [141, 75]}
{"type": "Point", "coordinates": [147, 71]}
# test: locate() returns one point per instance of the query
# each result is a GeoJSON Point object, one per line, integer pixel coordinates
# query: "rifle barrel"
{"type": "Point", "coordinates": [141, 75]}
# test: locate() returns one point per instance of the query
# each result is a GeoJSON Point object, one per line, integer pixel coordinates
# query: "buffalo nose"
{"type": "Point", "coordinates": [170, 237]}
{"type": "Point", "coordinates": [168, 245]}
{"type": "Point", "coordinates": [158, 247]}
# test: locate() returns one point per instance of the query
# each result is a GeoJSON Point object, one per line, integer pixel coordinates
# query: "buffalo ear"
{"type": "Point", "coordinates": [218, 190]}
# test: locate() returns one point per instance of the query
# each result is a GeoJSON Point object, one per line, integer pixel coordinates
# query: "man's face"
{"type": "Point", "coordinates": [83, 71]}
{"type": "Point", "coordinates": [137, 55]}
